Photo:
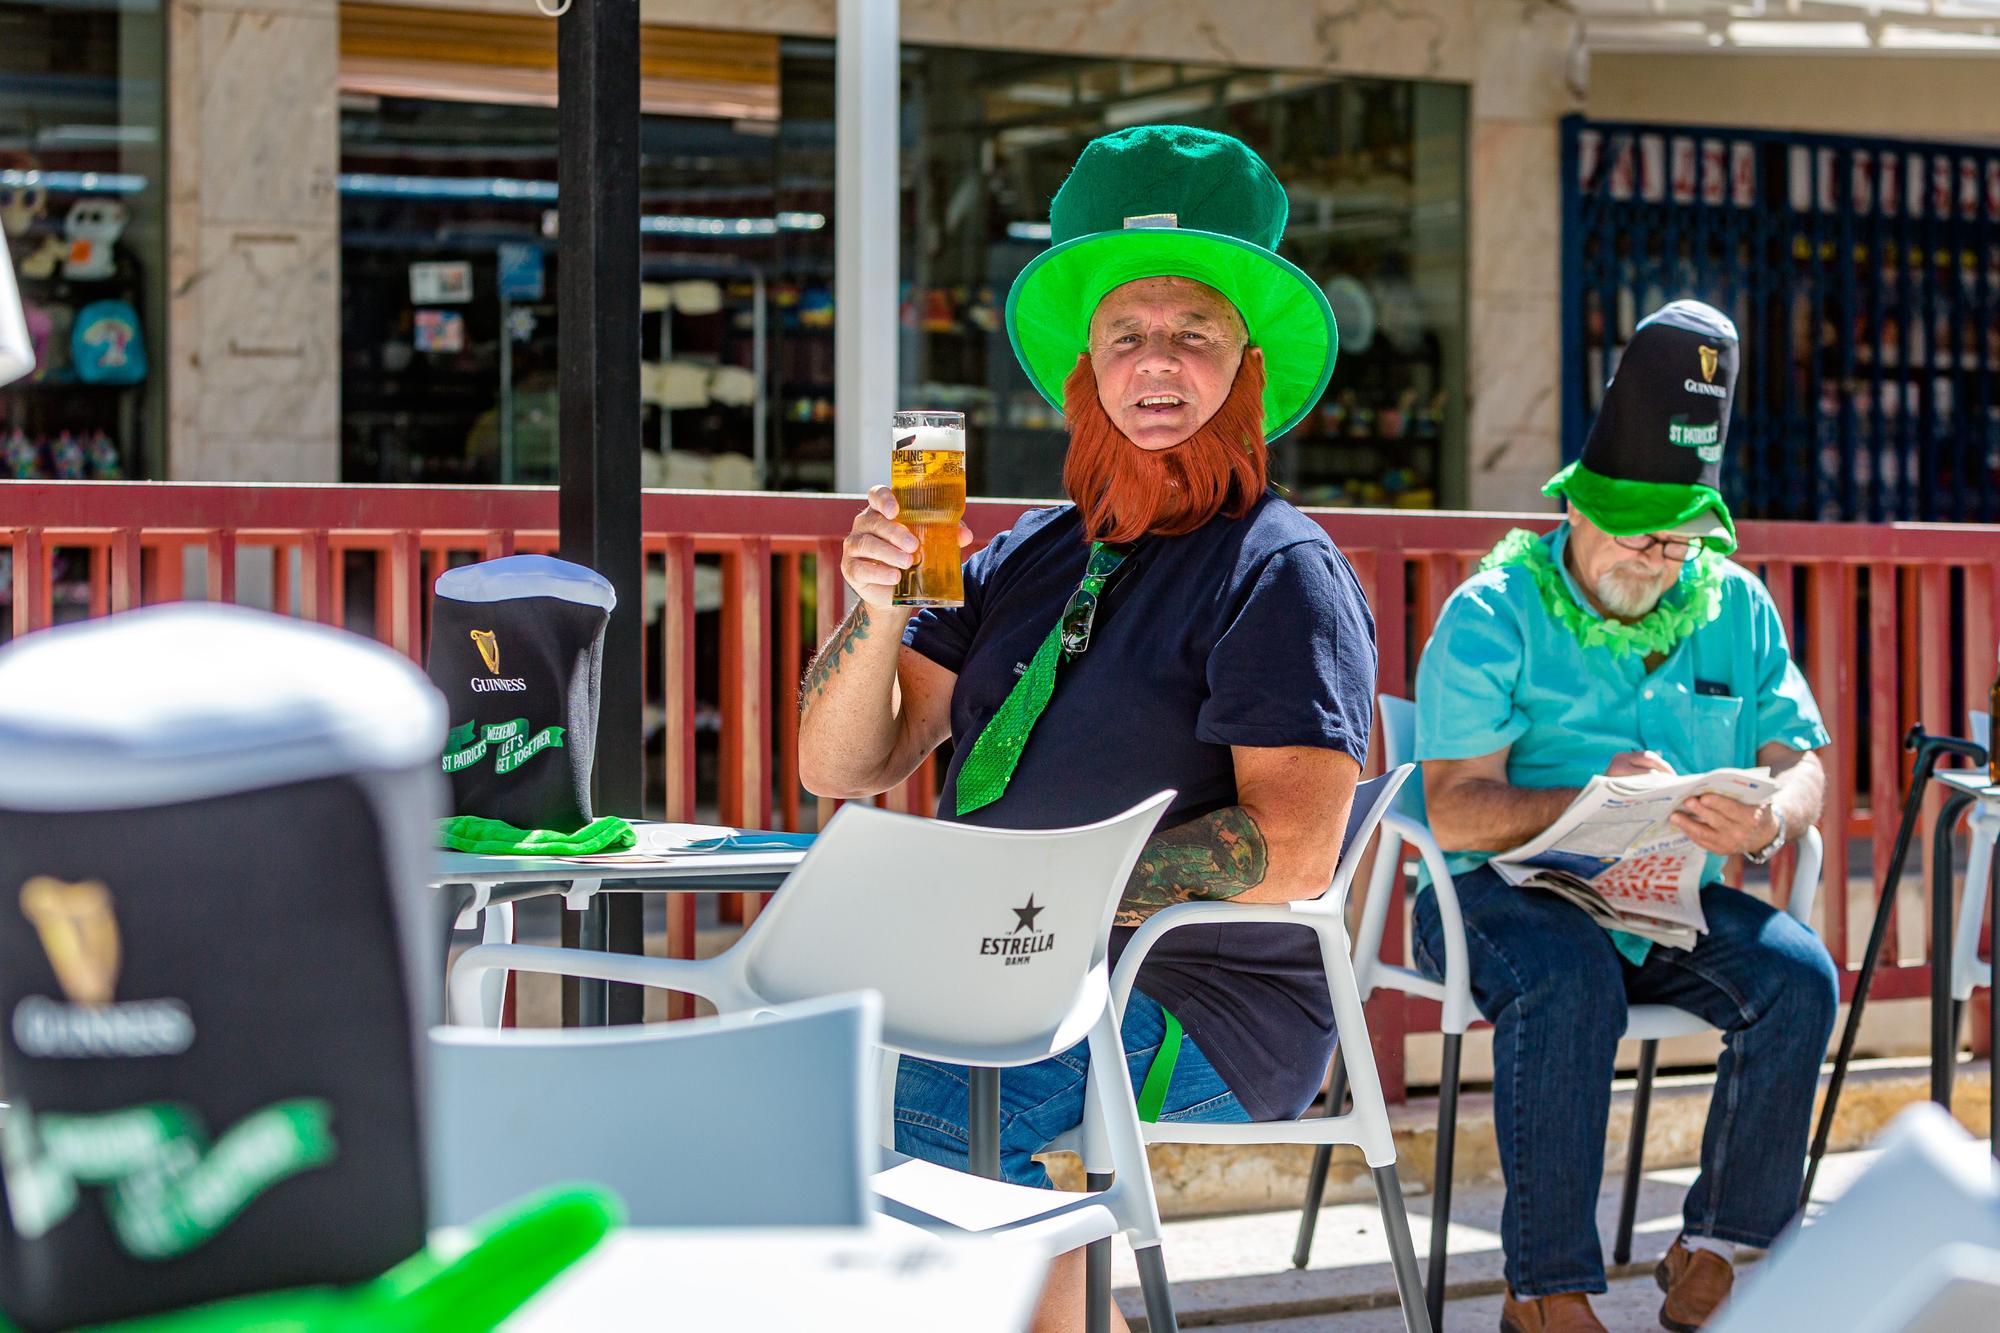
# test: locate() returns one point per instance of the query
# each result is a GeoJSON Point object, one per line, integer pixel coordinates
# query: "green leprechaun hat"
{"type": "Point", "coordinates": [1173, 201]}
{"type": "Point", "coordinates": [1653, 462]}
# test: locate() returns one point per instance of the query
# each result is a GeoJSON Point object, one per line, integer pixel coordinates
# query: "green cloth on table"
{"type": "Point", "coordinates": [491, 837]}
{"type": "Point", "coordinates": [509, 1258]}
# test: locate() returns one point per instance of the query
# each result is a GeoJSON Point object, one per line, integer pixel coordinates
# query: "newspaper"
{"type": "Point", "coordinates": [1616, 854]}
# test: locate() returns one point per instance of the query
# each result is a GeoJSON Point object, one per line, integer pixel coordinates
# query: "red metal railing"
{"type": "Point", "coordinates": [1894, 624]}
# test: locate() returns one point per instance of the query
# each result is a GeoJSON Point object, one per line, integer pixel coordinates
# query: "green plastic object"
{"type": "Point", "coordinates": [509, 1257]}
{"type": "Point", "coordinates": [491, 837]}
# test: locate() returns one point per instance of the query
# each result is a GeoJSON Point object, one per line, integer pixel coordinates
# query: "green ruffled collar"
{"type": "Point", "coordinates": [1694, 602]}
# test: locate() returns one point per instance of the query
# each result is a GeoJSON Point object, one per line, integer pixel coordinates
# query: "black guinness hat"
{"type": "Point", "coordinates": [1653, 462]}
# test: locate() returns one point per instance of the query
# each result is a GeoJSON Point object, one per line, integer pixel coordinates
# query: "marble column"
{"type": "Point", "coordinates": [253, 231]}
{"type": "Point", "coordinates": [1520, 91]}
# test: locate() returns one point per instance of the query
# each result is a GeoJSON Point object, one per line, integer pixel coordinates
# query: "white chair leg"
{"type": "Point", "coordinates": [496, 927]}
{"type": "Point", "coordinates": [887, 1065]}
{"type": "Point", "coordinates": [1972, 906]}
{"type": "Point", "coordinates": [1336, 1093]}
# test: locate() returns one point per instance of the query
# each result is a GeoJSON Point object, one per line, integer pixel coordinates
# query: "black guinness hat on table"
{"type": "Point", "coordinates": [215, 826]}
{"type": "Point", "coordinates": [517, 650]}
{"type": "Point", "coordinates": [1653, 461]}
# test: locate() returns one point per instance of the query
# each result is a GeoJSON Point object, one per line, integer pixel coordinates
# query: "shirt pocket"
{"type": "Point", "coordinates": [1716, 718]}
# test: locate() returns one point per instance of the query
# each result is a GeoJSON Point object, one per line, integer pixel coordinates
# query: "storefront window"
{"type": "Point", "coordinates": [82, 206]}
{"type": "Point", "coordinates": [1375, 174]}
{"type": "Point", "coordinates": [449, 255]}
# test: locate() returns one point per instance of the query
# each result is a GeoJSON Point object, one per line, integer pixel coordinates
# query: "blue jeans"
{"type": "Point", "coordinates": [1556, 990]}
{"type": "Point", "coordinates": [1041, 1102]}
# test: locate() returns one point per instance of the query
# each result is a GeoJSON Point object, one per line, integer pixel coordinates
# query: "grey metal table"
{"type": "Point", "coordinates": [480, 891]}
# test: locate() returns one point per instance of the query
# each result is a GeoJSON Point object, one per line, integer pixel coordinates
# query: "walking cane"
{"type": "Point", "coordinates": [1928, 749]}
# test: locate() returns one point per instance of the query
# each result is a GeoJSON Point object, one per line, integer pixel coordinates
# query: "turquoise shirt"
{"type": "Point", "coordinates": [1501, 672]}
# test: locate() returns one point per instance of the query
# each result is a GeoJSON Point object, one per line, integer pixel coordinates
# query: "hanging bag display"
{"type": "Point", "coordinates": [215, 962]}
{"type": "Point", "coordinates": [17, 354]}
{"type": "Point", "coordinates": [517, 650]}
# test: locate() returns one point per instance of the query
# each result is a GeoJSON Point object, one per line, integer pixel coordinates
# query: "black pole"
{"type": "Point", "coordinates": [982, 1123]}
{"type": "Point", "coordinates": [1944, 1017]}
{"type": "Point", "coordinates": [597, 117]}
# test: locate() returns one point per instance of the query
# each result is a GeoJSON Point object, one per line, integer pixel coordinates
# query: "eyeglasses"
{"type": "Point", "coordinates": [1081, 612]}
{"type": "Point", "coordinates": [1671, 547]}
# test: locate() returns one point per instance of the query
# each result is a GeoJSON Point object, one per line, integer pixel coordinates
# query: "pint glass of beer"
{"type": "Point", "coordinates": [927, 471]}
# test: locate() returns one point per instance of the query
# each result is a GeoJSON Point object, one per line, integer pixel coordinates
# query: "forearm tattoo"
{"type": "Point", "coordinates": [1212, 859]}
{"type": "Point", "coordinates": [824, 667]}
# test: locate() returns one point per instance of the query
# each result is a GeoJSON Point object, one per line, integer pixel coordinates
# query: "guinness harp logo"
{"type": "Point", "coordinates": [1710, 359]}
{"type": "Point", "coordinates": [79, 934]}
{"type": "Point", "coordinates": [489, 646]}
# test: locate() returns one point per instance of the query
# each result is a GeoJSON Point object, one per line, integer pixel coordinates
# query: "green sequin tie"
{"type": "Point", "coordinates": [983, 777]}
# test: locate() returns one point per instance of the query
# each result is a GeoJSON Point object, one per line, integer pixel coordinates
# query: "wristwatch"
{"type": "Point", "coordinates": [1770, 850]}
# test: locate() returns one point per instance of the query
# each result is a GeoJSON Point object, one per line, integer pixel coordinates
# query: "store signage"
{"type": "Point", "coordinates": [1742, 173]}
{"type": "Point", "coordinates": [521, 272]}
{"type": "Point", "coordinates": [1684, 159]}
{"type": "Point", "coordinates": [441, 283]}
{"type": "Point", "coordinates": [440, 331]}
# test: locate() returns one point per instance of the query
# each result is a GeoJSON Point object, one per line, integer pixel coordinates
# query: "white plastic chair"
{"type": "Point", "coordinates": [1647, 1024]}
{"type": "Point", "coordinates": [1914, 1244]}
{"type": "Point", "coordinates": [927, 913]}
{"type": "Point", "coordinates": [1967, 971]}
{"type": "Point", "coordinates": [728, 1122]}
{"type": "Point", "coordinates": [1367, 1125]}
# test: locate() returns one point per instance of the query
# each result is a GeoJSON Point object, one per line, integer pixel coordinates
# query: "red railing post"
{"type": "Point", "coordinates": [126, 563]}
{"type": "Point", "coordinates": [406, 595]}
{"type": "Point", "coordinates": [281, 577]}
{"type": "Point", "coordinates": [1885, 753]}
{"type": "Point", "coordinates": [829, 609]}
{"type": "Point", "coordinates": [785, 706]}
{"type": "Point", "coordinates": [677, 703]}
{"type": "Point", "coordinates": [32, 608]}
{"type": "Point", "coordinates": [221, 565]}
{"type": "Point", "coordinates": [746, 684]}
{"type": "Point", "coordinates": [1830, 673]}
{"type": "Point", "coordinates": [319, 579]}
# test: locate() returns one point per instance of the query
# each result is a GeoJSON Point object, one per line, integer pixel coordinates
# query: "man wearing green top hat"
{"type": "Point", "coordinates": [1626, 642]}
{"type": "Point", "coordinates": [1176, 626]}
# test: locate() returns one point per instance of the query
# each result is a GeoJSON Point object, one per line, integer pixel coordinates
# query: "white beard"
{"type": "Point", "coordinates": [1625, 595]}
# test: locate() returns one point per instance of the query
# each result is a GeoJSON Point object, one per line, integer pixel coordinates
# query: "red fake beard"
{"type": "Point", "coordinates": [1124, 492]}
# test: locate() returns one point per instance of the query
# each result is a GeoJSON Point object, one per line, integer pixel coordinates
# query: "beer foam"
{"type": "Point", "coordinates": [945, 438]}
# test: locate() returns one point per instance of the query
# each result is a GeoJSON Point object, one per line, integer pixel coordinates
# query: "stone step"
{"type": "Point", "coordinates": [1235, 1273]}
{"type": "Point", "coordinates": [1204, 1179]}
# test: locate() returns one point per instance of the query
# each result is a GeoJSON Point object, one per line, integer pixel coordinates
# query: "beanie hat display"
{"type": "Point", "coordinates": [517, 650]}
{"type": "Point", "coordinates": [216, 962]}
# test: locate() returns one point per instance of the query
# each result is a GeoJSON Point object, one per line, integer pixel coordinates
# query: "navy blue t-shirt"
{"type": "Point", "coordinates": [1249, 631]}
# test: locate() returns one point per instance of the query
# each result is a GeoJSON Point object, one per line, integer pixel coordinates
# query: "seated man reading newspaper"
{"type": "Point", "coordinates": [1624, 646]}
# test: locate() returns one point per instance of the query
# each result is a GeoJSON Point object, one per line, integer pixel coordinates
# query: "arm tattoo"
{"type": "Point", "coordinates": [824, 667]}
{"type": "Point", "coordinates": [1217, 857]}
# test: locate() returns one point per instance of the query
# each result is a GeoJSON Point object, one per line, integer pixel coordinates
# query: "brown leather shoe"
{"type": "Point", "coordinates": [1697, 1282]}
{"type": "Point", "coordinates": [1567, 1313]}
